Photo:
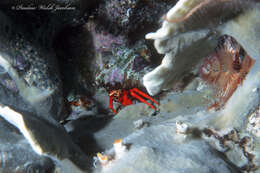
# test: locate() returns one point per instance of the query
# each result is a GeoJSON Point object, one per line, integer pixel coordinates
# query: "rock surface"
{"type": "Point", "coordinates": [101, 48]}
{"type": "Point", "coordinates": [16, 153]}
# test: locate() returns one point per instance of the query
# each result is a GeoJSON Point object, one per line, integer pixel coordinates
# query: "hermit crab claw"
{"type": "Point", "coordinates": [124, 99]}
{"type": "Point", "coordinates": [136, 91]}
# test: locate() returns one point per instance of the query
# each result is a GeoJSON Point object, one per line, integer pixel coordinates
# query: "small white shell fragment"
{"type": "Point", "coordinates": [119, 148]}
{"type": "Point", "coordinates": [253, 125]}
{"type": "Point", "coordinates": [138, 124]}
{"type": "Point", "coordinates": [254, 90]}
{"type": "Point", "coordinates": [181, 127]}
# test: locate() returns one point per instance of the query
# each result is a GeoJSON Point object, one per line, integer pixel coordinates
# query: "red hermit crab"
{"type": "Point", "coordinates": [123, 96]}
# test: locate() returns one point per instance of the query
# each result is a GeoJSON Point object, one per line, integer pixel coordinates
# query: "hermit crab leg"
{"type": "Point", "coordinates": [111, 104]}
{"type": "Point", "coordinates": [144, 95]}
{"type": "Point", "coordinates": [140, 98]}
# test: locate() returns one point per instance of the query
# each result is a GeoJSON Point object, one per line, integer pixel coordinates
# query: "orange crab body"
{"type": "Point", "coordinates": [122, 96]}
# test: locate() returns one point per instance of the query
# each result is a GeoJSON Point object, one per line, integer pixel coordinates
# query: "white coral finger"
{"type": "Point", "coordinates": [181, 9]}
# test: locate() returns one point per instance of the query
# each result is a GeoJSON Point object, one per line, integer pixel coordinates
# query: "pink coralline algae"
{"type": "Point", "coordinates": [116, 76]}
{"type": "Point", "coordinates": [103, 40]}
